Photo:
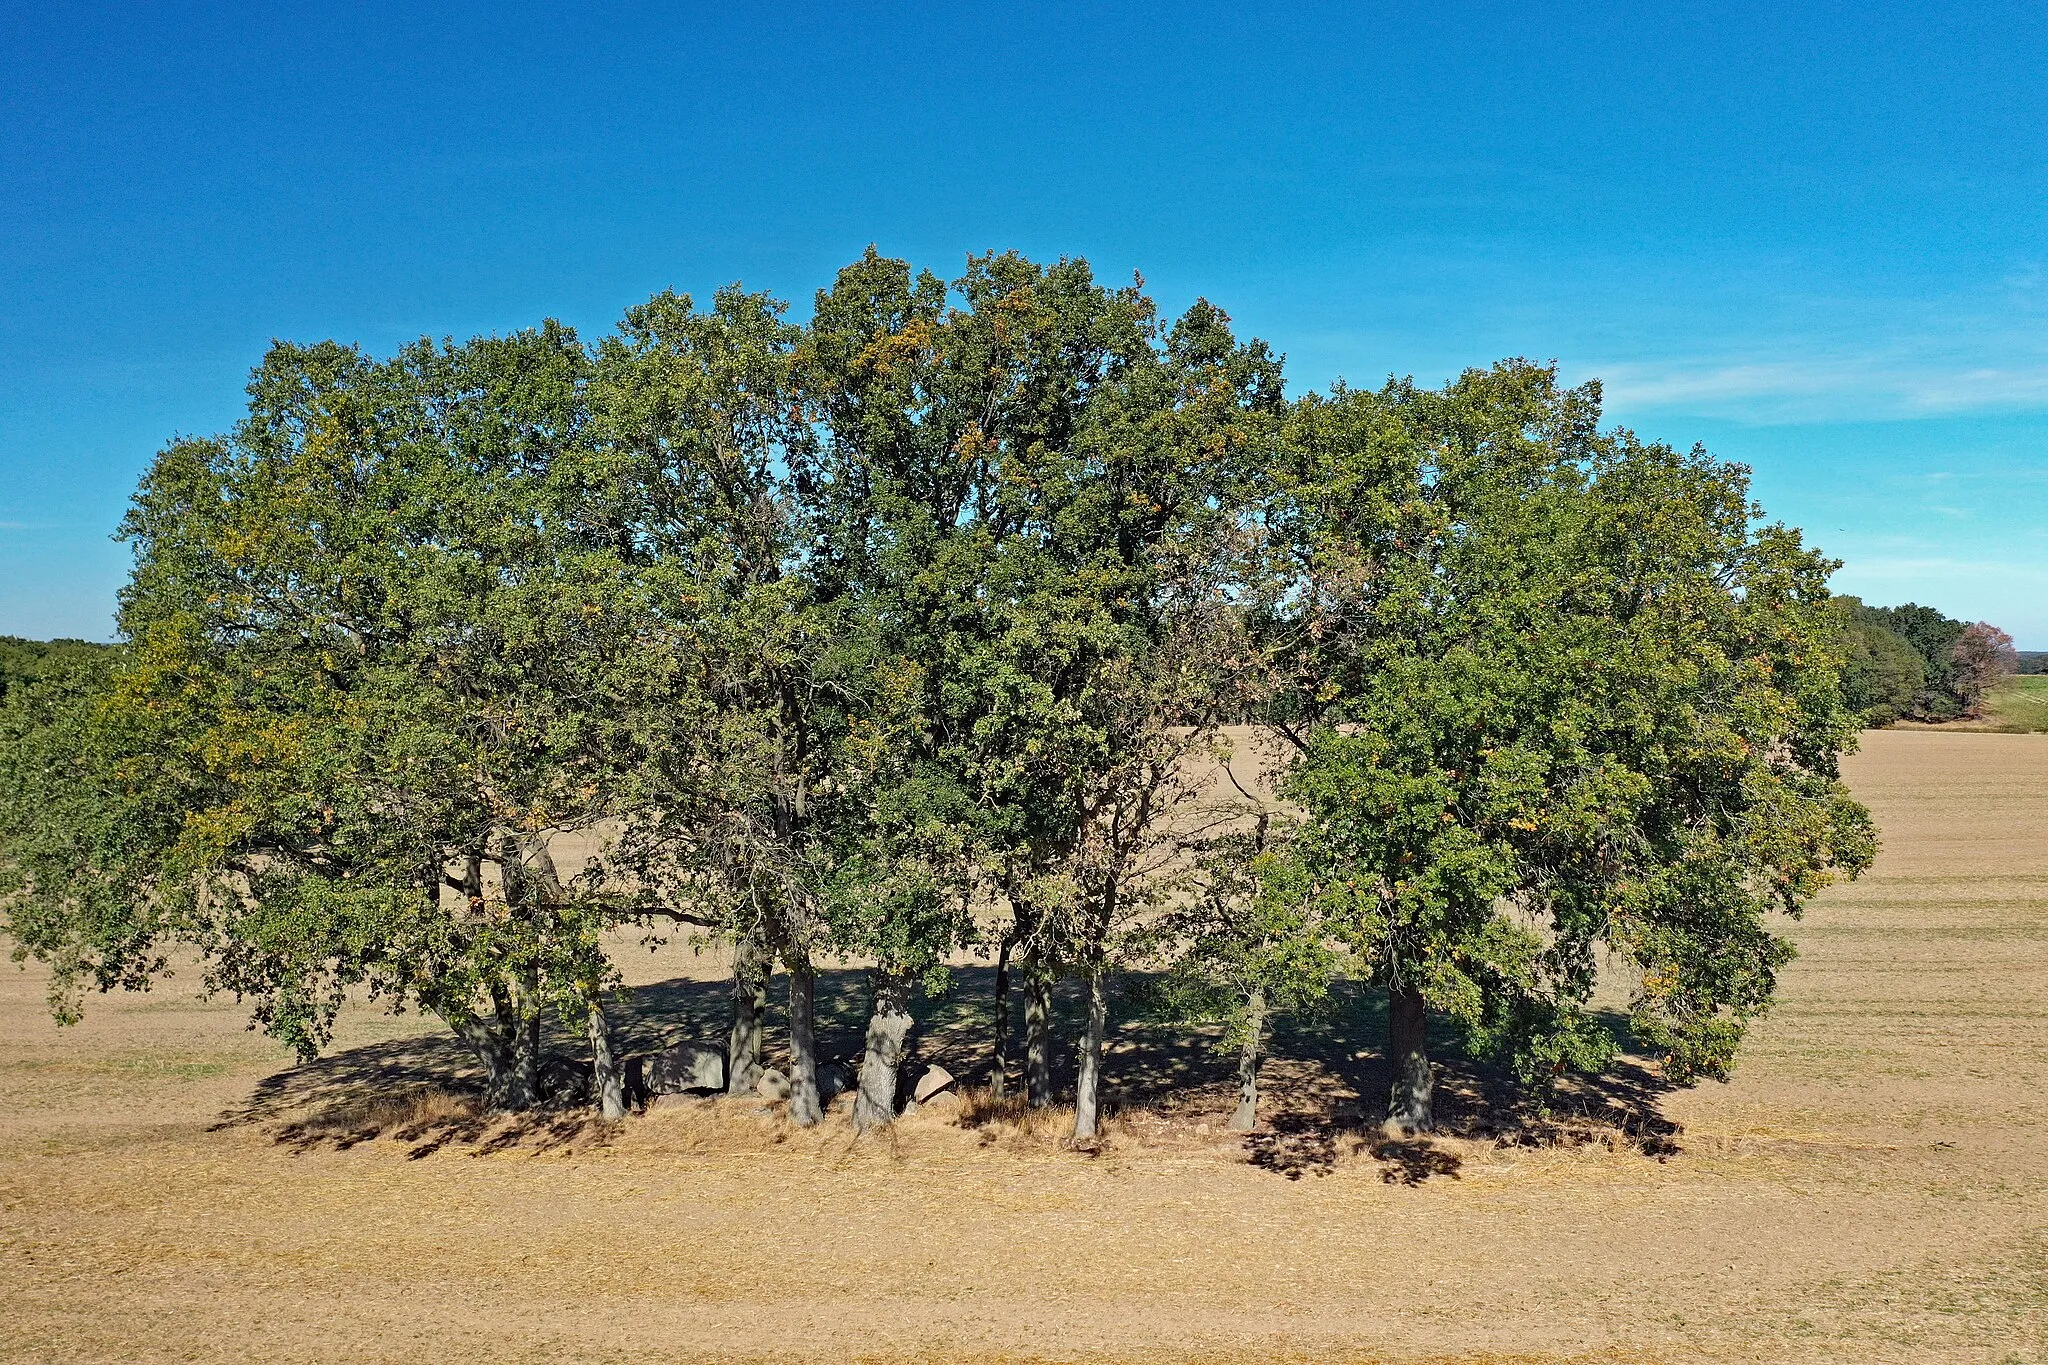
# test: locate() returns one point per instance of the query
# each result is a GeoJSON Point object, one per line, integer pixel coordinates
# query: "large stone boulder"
{"type": "Point", "coordinates": [565, 1081]}
{"type": "Point", "coordinates": [685, 1068]}
{"type": "Point", "coordinates": [773, 1085]}
{"type": "Point", "coordinates": [930, 1084]}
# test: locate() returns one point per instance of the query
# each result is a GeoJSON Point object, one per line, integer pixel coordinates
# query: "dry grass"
{"type": "Point", "coordinates": [1873, 1185]}
{"type": "Point", "coordinates": [406, 1114]}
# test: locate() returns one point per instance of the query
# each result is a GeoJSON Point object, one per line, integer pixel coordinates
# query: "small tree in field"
{"type": "Point", "coordinates": [1023, 493]}
{"type": "Point", "coordinates": [1243, 951]}
{"type": "Point", "coordinates": [732, 711]}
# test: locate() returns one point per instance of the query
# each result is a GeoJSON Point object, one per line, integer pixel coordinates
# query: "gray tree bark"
{"type": "Point", "coordinates": [875, 1104]}
{"type": "Point", "coordinates": [501, 1043]}
{"type": "Point", "coordinates": [1037, 1033]}
{"type": "Point", "coordinates": [526, 1055]}
{"type": "Point", "coordinates": [533, 889]}
{"type": "Point", "coordinates": [493, 1049]}
{"type": "Point", "coordinates": [608, 1077]}
{"type": "Point", "coordinates": [1410, 1105]}
{"type": "Point", "coordinates": [751, 966]}
{"type": "Point", "coordinates": [804, 1109]}
{"type": "Point", "coordinates": [1248, 1059]}
{"type": "Point", "coordinates": [1088, 1077]}
{"type": "Point", "coordinates": [999, 1070]}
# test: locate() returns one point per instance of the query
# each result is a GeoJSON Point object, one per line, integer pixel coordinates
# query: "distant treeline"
{"type": "Point", "coordinates": [22, 660]}
{"type": "Point", "coordinates": [1915, 663]}
{"type": "Point", "coordinates": [2032, 660]}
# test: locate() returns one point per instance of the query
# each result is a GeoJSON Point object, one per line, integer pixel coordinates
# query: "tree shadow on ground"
{"type": "Point", "coordinates": [1322, 1088]}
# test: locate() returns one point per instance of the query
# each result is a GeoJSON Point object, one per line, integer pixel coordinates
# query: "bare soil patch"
{"type": "Point", "coordinates": [1872, 1186]}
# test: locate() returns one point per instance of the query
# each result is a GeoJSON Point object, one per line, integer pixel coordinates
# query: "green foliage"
{"type": "Point", "coordinates": [24, 661]}
{"type": "Point", "coordinates": [82, 818]}
{"type": "Point", "coordinates": [370, 637]}
{"type": "Point", "coordinates": [1025, 491]}
{"type": "Point", "coordinates": [1244, 949]}
{"type": "Point", "coordinates": [1957, 662]}
{"type": "Point", "coordinates": [843, 634]}
{"type": "Point", "coordinates": [737, 697]}
{"type": "Point", "coordinates": [1933, 638]}
{"type": "Point", "coordinates": [1556, 690]}
{"type": "Point", "coordinates": [1883, 676]}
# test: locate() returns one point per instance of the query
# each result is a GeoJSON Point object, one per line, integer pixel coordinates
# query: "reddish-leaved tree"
{"type": "Point", "coordinates": [1983, 654]}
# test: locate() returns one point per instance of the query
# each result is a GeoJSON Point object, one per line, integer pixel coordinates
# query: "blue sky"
{"type": "Point", "coordinates": [1811, 237]}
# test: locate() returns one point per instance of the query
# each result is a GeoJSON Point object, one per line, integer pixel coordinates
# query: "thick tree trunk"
{"type": "Point", "coordinates": [999, 1069]}
{"type": "Point", "coordinates": [492, 1050]}
{"type": "Point", "coordinates": [804, 1108]}
{"type": "Point", "coordinates": [608, 1078]}
{"type": "Point", "coordinates": [1409, 1105]}
{"type": "Point", "coordinates": [1253, 1052]}
{"type": "Point", "coordinates": [875, 1104]}
{"type": "Point", "coordinates": [526, 1056]}
{"type": "Point", "coordinates": [533, 889]}
{"type": "Point", "coordinates": [1037, 1033]}
{"type": "Point", "coordinates": [751, 966]}
{"type": "Point", "coordinates": [1088, 1077]}
{"type": "Point", "coordinates": [500, 1043]}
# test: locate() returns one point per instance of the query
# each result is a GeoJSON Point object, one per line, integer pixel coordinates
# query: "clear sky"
{"type": "Point", "coordinates": [1809, 236]}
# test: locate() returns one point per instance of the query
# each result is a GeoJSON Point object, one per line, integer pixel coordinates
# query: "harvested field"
{"type": "Point", "coordinates": [1873, 1186]}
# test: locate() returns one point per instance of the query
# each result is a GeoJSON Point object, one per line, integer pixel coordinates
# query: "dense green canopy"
{"type": "Point", "coordinates": [900, 633]}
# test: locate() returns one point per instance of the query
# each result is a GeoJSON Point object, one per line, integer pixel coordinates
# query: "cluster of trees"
{"type": "Point", "coordinates": [1913, 662]}
{"type": "Point", "coordinates": [911, 631]}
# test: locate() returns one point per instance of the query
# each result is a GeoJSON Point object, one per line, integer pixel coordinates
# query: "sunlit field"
{"type": "Point", "coordinates": [1872, 1186]}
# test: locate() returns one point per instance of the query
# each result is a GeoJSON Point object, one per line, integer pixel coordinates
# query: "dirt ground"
{"type": "Point", "coordinates": [1872, 1186]}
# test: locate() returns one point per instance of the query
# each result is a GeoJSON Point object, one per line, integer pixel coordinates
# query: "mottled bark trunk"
{"type": "Point", "coordinates": [1248, 1059]}
{"type": "Point", "coordinates": [491, 1050]}
{"type": "Point", "coordinates": [510, 1072]}
{"type": "Point", "coordinates": [1409, 1104]}
{"type": "Point", "coordinates": [804, 1108]}
{"type": "Point", "coordinates": [526, 1056]}
{"type": "Point", "coordinates": [1037, 1033]}
{"type": "Point", "coordinates": [1088, 1075]}
{"type": "Point", "coordinates": [999, 1068]}
{"type": "Point", "coordinates": [533, 891]}
{"type": "Point", "coordinates": [875, 1104]}
{"type": "Point", "coordinates": [608, 1078]}
{"type": "Point", "coordinates": [751, 965]}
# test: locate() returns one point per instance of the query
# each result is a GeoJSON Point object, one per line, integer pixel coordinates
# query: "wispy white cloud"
{"type": "Point", "coordinates": [1881, 566]}
{"type": "Point", "coordinates": [1824, 389]}
{"type": "Point", "coordinates": [1795, 358]}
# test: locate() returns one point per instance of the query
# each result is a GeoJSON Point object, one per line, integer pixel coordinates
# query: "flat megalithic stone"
{"type": "Point", "coordinates": [686, 1067]}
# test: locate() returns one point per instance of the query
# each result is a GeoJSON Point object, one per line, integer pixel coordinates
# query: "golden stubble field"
{"type": "Point", "coordinates": [1873, 1186]}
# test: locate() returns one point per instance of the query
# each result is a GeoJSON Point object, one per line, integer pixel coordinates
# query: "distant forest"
{"type": "Point", "coordinates": [1914, 663]}
{"type": "Point", "coordinates": [22, 660]}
